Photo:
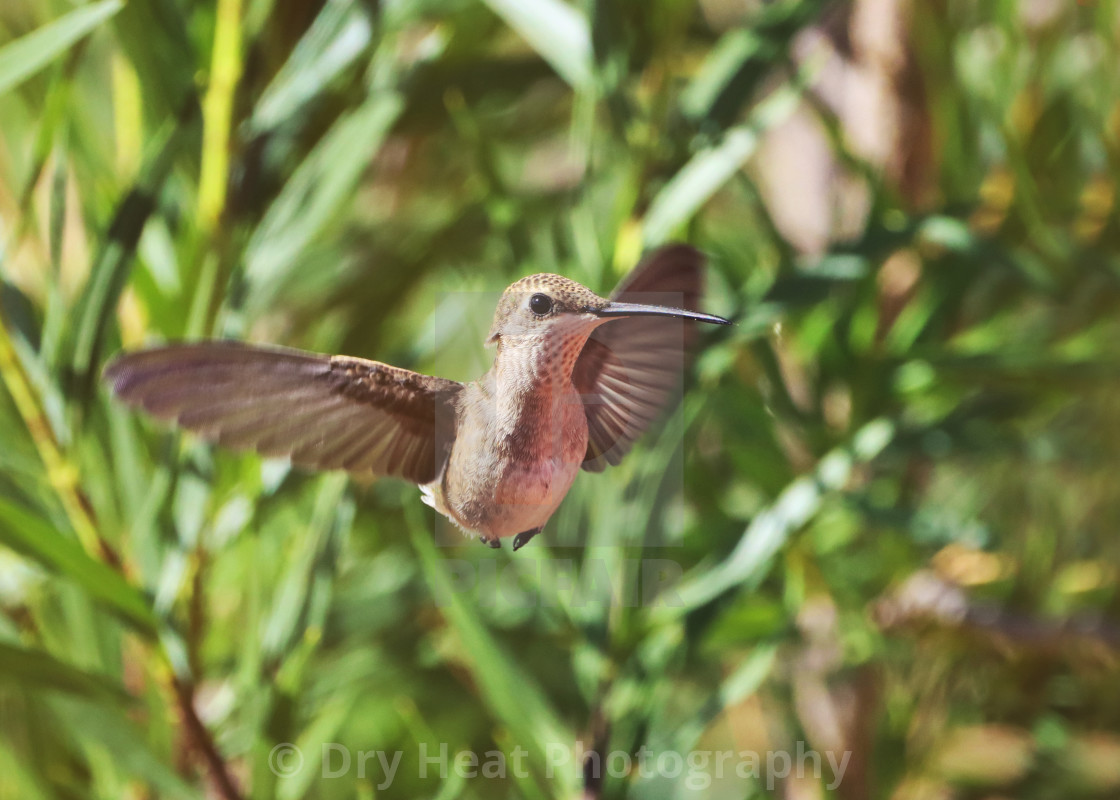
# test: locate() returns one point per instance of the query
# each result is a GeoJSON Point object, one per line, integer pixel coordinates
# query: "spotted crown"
{"type": "Point", "coordinates": [565, 293]}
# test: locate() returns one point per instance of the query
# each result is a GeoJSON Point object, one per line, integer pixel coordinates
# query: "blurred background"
{"type": "Point", "coordinates": [889, 495]}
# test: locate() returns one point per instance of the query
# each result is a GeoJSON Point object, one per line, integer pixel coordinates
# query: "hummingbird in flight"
{"type": "Point", "coordinates": [575, 381]}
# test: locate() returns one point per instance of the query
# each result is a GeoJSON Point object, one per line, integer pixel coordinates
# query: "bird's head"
{"type": "Point", "coordinates": [549, 317]}
{"type": "Point", "coordinates": [554, 307]}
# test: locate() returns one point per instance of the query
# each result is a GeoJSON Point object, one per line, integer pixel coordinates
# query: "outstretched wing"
{"type": "Point", "coordinates": [629, 368]}
{"type": "Point", "coordinates": [324, 412]}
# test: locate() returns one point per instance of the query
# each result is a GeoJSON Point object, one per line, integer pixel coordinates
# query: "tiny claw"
{"type": "Point", "coordinates": [493, 544]}
{"type": "Point", "coordinates": [522, 539]}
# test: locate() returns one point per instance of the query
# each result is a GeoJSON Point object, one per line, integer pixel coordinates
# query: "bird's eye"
{"type": "Point", "coordinates": [540, 304]}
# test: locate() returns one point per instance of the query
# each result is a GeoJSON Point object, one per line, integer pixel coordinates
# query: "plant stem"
{"type": "Point", "coordinates": [61, 473]}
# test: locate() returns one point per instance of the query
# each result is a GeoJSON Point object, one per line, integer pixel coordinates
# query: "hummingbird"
{"type": "Point", "coordinates": [575, 381]}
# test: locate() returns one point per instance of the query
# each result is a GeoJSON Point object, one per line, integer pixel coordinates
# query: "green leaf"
{"type": "Point", "coordinates": [310, 201]}
{"type": "Point", "coordinates": [741, 60]}
{"type": "Point", "coordinates": [723, 65]}
{"type": "Point", "coordinates": [27, 55]}
{"type": "Point", "coordinates": [98, 729]}
{"type": "Point", "coordinates": [113, 264]}
{"type": "Point", "coordinates": [743, 681]}
{"type": "Point", "coordinates": [555, 30]}
{"type": "Point", "coordinates": [770, 530]}
{"type": "Point", "coordinates": [33, 537]}
{"type": "Point", "coordinates": [339, 35]}
{"type": "Point", "coordinates": [22, 779]}
{"type": "Point", "coordinates": [711, 168]}
{"type": "Point", "coordinates": [35, 669]}
{"type": "Point", "coordinates": [512, 693]}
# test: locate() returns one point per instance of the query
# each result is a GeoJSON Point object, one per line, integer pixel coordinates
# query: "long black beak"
{"type": "Point", "coordinates": [614, 309]}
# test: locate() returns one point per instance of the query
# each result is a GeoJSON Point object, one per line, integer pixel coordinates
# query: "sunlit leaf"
{"type": "Point", "coordinates": [338, 36]}
{"type": "Point", "coordinates": [771, 529]}
{"type": "Point", "coordinates": [707, 171]}
{"type": "Point", "coordinates": [27, 55]}
{"type": "Point", "coordinates": [513, 694]}
{"type": "Point", "coordinates": [555, 30]}
{"type": "Point", "coordinates": [32, 536]}
{"type": "Point", "coordinates": [310, 201]}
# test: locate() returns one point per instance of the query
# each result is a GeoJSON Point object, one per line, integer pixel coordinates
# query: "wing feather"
{"type": "Point", "coordinates": [630, 368]}
{"type": "Point", "coordinates": [324, 412]}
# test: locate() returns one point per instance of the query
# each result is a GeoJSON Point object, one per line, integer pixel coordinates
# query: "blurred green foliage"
{"type": "Point", "coordinates": [890, 487]}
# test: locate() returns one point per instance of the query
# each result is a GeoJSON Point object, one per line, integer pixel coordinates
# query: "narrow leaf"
{"type": "Point", "coordinates": [113, 263]}
{"type": "Point", "coordinates": [311, 200]}
{"type": "Point", "coordinates": [770, 530]}
{"type": "Point", "coordinates": [555, 30]}
{"type": "Point", "coordinates": [512, 693]}
{"type": "Point", "coordinates": [35, 669]}
{"type": "Point", "coordinates": [707, 171]}
{"type": "Point", "coordinates": [736, 687]}
{"type": "Point", "coordinates": [33, 537]}
{"type": "Point", "coordinates": [339, 35]}
{"type": "Point", "coordinates": [107, 730]}
{"type": "Point", "coordinates": [27, 55]}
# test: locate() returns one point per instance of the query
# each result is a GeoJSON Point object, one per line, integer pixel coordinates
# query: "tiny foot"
{"type": "Point", "coordinates": [493, 544]}
{"type": "Point", "coordinates": [522, 539]}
